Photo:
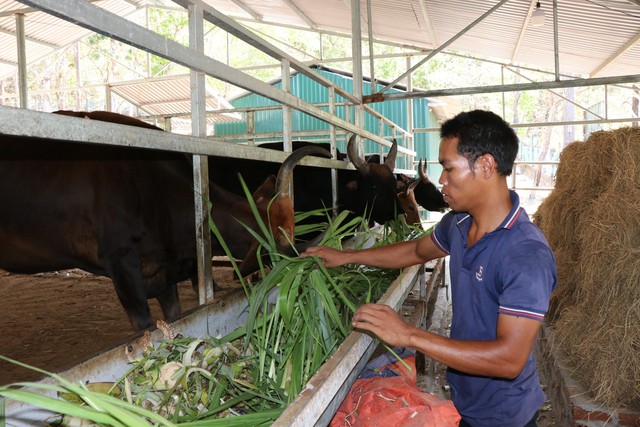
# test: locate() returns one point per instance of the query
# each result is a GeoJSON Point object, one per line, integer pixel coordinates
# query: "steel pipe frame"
{"type": "Point", "coordinates": [101, 21]}
{"type": "Point", "coordinates": [23, 122]}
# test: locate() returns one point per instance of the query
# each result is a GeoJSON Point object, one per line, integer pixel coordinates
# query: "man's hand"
{"type": "Point", "coordinates": [330, 257]}
{"type": "Point", "coordinates": [384, 322]}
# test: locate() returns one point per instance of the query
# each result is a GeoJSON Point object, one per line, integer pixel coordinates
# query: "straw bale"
{"type": "Point", "coordinates": [569, 161]}
{"type": "Point", "coordinates": [558, 216]}
{"type": "Point", "coordinates": [625, 153]}
{"type": "Point", "coordinates": [592, 222]}
{"type": "Point", "coordinates": [604, 352]}
{"type": "Point", "coordinates": [565, 293]}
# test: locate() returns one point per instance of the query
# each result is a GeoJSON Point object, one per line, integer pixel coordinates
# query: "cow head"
{"type": "Point", "coordinates": [374, 187]}
{"type": "Point", "coordinates": [408, 202]}
{"type": "Point", "coordinates": [426, 193]}
{"type": "Point", "coordinates": [278, 211]}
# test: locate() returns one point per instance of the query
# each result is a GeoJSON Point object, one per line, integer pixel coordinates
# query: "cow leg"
{"type": "Point", "coordinates": [137, 309]}
{"type": "Point", "coordinates": [131, 290]}
{"type": "Point", "coordinates": [169, 302]}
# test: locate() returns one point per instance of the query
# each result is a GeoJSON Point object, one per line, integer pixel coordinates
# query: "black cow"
{"type": "Point", "coordinates": [121, 212]}
{"type": "Point", "coordinates": [368, 191]}
{"type": "Point", "coordinates": [426, 193]}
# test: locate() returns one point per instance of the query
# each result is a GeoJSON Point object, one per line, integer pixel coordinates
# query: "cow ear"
{"type": "Point", "coordinates": [352, 185]}
{"type": "Point", "coordinates": [266, 190]}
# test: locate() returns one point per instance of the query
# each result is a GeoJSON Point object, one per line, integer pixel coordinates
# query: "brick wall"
{"type": "Point", "coordinates": [570, 401]}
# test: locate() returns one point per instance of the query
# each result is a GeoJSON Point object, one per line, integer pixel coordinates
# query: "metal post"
{"type": "Point", "coordinates": [79, 83]}
{"type": "Point", "coordinates": [107, 98]}
{"type": "Point", "coordinates": [200, 162]}
{"type": "Point", "coordinates": [356, 47]}
{"type": "Point", "coordinates": [22, 61]}
{"type": "Point", "coordinates": [287, 145]}
{"type": "Point", "coordinates": [286, 110]}
{"type": "Point", "coordinates": [504, 106]}
{"type": "Point", "coordinates": [606, 102]}
{"type": "Point", "coordinates": [148, 26]}
{"type": "Point", "coordinates": [410, 142]}
{"type": "Point", "coordinates": [332, 137]}
{"type": "Point", "coordinates": [371, 52]}
{"type": "Point", "coordinates": [251, 127]}
{"type": "Point", "coordinates": [556, 49]}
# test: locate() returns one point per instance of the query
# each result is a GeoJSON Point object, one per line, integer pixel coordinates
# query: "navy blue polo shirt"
{"type": "Point", "coordinates": [510, 271]}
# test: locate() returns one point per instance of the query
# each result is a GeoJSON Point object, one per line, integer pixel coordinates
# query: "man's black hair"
{"type": "Point", "coordinates": [483, 132]}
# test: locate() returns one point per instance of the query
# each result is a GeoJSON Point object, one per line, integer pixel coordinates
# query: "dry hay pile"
{"type": "Point", "coordinates": [592, 222]}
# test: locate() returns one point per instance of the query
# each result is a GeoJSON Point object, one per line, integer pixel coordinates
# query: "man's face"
{"type": "Point", "coordinates": [459, 183]}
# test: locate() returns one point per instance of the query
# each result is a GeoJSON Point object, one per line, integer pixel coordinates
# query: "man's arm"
{"type": "Point", "coordinates": [398, 255]}
{"type": "Point", "coordinates": [504, 357]}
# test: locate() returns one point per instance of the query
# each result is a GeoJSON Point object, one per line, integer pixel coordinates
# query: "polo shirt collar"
{"type": "Point", "coordinates": [514, 213]}
{"type": "Point", "coordinates": [510, 219]}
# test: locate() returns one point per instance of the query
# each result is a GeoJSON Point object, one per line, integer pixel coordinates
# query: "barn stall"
{"type": "Point", "coordinates": [27, 123]}
{"type": "Point", "coordinates": [219, 321]}
{"type": "Point", "coordinates": [199, 152]}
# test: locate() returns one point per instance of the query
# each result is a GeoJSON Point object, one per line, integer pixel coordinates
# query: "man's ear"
{"type": "Point", "coordinates": [486, 165]}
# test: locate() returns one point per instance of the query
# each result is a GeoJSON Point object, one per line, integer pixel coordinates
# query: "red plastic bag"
{"type": "Point", "coordinates": [394, 401]}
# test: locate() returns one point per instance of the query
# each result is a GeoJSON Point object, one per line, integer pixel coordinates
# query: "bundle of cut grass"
{"type": "Point", "coordinates": [591, 221]}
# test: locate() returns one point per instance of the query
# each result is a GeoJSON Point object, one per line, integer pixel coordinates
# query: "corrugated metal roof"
{"type": "Point", "coordinates": [45, 33]}
{"type": "Point", "coordinates": [590, 32]}
{"type": "Point", "coordinates": [595, 37]}
{"type": "Point", "coordinates": [166, 96]}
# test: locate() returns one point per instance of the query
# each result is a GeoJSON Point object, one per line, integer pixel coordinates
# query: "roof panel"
{"type": "Point", "coordinates": [46, 33]}
{"type": "Point", "coordinates": [590, 33]}
{"type": "Point", "coordinates": [170, 95]}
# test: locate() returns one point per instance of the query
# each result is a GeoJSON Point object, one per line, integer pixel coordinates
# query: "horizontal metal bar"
{"type": "Point", "coordinates": [536, 162]}
{"type": "Point", "coordinates": [599, 81]}
{"type": "Point", "coordinates": [532, 188]}
{"type": "Point", "coordinates": [22, 122]}
{"type": "Point", "coordinates": [517, 162]}
{"type": "Point", "coordinates": [544, 124]}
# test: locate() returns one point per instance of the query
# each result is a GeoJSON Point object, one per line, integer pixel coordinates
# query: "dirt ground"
{"type": "Point", "coordinates": [54, 320]}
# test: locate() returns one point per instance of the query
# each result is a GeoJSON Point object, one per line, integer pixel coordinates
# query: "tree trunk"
{"type": "Point", "coordinates": [569, 115]}
{"type": "Point", "coordinates": [550, 117]}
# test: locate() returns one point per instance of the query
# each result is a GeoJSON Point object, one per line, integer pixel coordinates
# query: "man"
{"type": "Point", "coordinates": [502, 275]}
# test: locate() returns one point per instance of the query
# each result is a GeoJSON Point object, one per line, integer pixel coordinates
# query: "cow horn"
{"type": "Point", "coordinates": [358, 162]}
{"type": "Point", "coordinates": [286, 170]}
{"type": "Point", "coordinates": [390, 161]}
{"type": "Point", "coordinates": [422, 171]}
{"type": "Point", "coordinates": [412, 185]}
